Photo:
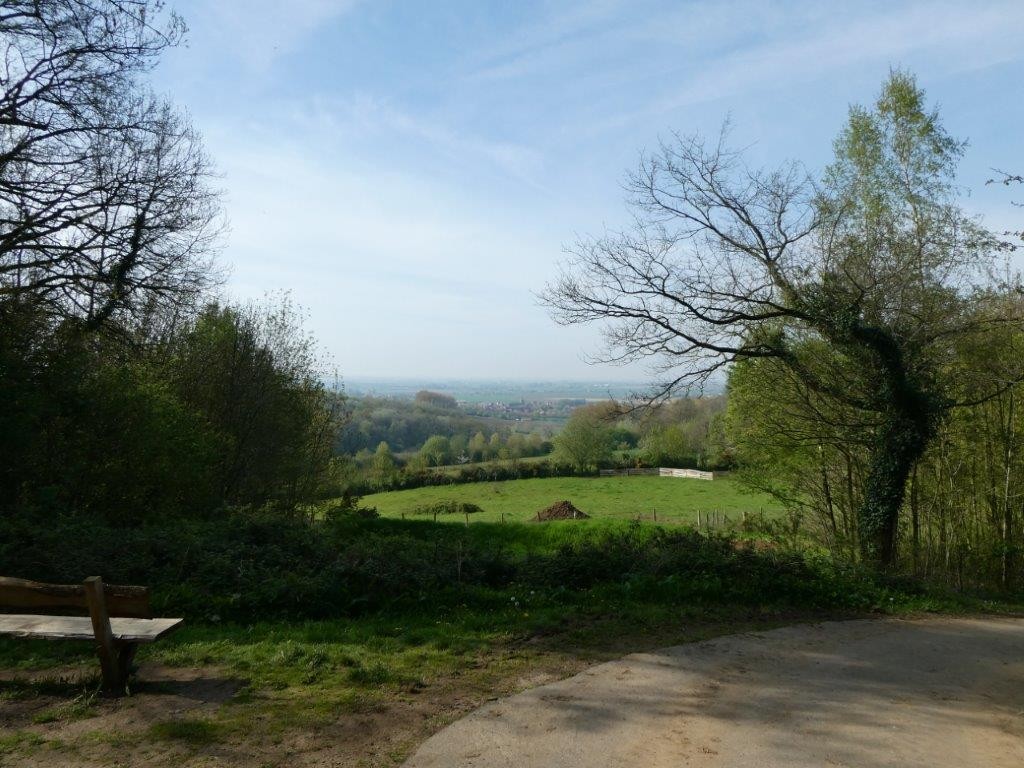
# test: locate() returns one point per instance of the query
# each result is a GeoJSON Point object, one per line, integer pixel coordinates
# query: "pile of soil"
{"type": "Point", "coordinates": [561, 510]}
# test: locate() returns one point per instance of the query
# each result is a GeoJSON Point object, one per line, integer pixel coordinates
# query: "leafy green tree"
{"type": "Point", "coordinates": [586, 441]}
{"type": "Point", "coordinates": [417, 463]}
{"type": "Point", "coordinates": [862, 287]}
{"type": "Point", "coordinates": [478, 447]}
{"type": "Point", "coordinates": [667, 446]}
{"type": "Point", "coordinates": [84, 431]}
{"type": "Point", "coordinates": [536, 445]}
{"type": "Point", "coordinates": [253, 375]}
{"type": "Point", "coordinates": [383, 465]}
{"type": "Point", "coordinates": [436, 451]}
{"type": "Point", "coordinates": [516, 445]}
{"type": "Point", "coordinates": [459, 445]}
{"type": "Point", "coordinates": [436, 400]}
{"type": "Point", "coordinates": [624, 437]}
{"type": "Point", "coordinates": [799, 448]}
{"type": "Point", "coordinates": [494, 446]}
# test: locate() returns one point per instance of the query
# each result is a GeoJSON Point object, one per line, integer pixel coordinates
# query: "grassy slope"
{"type": "Point", "coordinates": [361, 692]}
{"type": "Point", "coordinates": [675, 499]}
{"type": "Point", "coordinates": [365, 690]}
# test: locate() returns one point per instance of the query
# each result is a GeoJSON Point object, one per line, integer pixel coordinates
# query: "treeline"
{"type": "Point", "coordinates": [355, 479]}
{"type": "Point", "coordinates": [681, 433]}
{"type": "Point", "coordinates": [685, 432]}
{"type": "Point", "coordinates": [406, 425]}
{"type": "Point", "coordinates": [439, 450]}
{"type": "Point", "coordinates": [220, 407]}
{"type": "Point", "coordinates": [130, 391]}
{"type": "Point", "coordinates": [962, 519]}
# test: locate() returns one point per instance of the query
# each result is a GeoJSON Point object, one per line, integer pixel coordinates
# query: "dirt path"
{"type": "Point", "coordinates": [932, 692]}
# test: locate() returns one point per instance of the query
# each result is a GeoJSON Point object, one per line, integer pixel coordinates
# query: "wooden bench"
{"type": "Point", "coordinates": [118, 619]}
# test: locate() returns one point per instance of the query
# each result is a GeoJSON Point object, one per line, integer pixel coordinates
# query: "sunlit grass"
{"type": "Point", "coordinates": [674, 500]}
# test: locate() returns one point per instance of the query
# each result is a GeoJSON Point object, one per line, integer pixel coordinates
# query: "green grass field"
{"type": "Point", "coordinates": [676, 500]}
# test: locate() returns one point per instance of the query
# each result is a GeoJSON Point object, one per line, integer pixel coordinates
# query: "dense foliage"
{"type": "Point", "coordinates": [130, 392]}
{"type": "Point", "coordinates": [267, 565]}
{"type": "Point", "coordinates": [223, 409]}
{"type": "Point", "coordinates": [405, 426]}
{"type": "Point", "coordinates": [961, 523]}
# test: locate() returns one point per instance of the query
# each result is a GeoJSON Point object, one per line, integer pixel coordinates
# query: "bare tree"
{"type": "Point", "coordinates": [863, 286]}
{"type": "Point", "coordinates": [105, 192]}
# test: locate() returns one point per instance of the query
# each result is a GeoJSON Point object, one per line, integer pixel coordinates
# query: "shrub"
{"type": "Point", "coordinates": [447, 507]}
{"type": "Point", "coordinates": [268, 564]}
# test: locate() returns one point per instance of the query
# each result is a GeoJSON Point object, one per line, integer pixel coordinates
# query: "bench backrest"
{"type": "Point", "coordinates": [36, 597]}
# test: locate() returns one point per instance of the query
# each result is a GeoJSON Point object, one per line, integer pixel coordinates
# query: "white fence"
{"type": "Point", "coordinates": [693, 474]}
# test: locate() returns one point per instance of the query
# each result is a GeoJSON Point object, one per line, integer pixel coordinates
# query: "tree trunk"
{"type": "Point", "coordinates": [910, 415]}
{"type": "Point", "coordinates": [915, 522]}
{"type": "Point", "coordinates": [1007, 532]}
{"type": "Point", "coordinates": [901, 440]}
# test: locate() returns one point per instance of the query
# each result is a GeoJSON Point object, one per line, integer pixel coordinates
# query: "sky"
{"type": "Point", "coordinates": [411, 172]}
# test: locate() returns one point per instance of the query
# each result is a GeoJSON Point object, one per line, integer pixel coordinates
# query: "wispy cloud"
{"type": "Point", "coordinates": [982, 35]}
{"type": "Point", "coordinates": [699, 52]}
{"type": "Point", "coordinates": [257, 32]}
{"type": "Point", "coordinates": [362, 115]}
{"type": "Point", "coordinates": [422, 184]}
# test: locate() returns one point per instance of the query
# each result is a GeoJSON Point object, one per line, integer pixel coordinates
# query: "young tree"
{"type": "Point", "coordinates": [667, 446]}
{"type": "Point", "coordinates": [383, 464]}
{"type": "Point", "coordinates": [863, 287]}
{"type": "Point", "coordinates": [516, 445]}
{"type": "Point", "coordinates": [494, 446]}
{"type": "Point", "coordinates": [458, 444]}
{"type": "Point", "coordinates": [436, 451]}
{"type": "Point", "coordinates": [586, 441]}
{"type": "Point", "coordinates": [478, 447]}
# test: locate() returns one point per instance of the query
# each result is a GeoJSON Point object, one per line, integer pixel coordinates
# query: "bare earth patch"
{"type": "Point", "coordinates": [204, 716]}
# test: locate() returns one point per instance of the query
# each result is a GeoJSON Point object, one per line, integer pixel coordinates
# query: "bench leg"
{"type": "Point", "coordinates": [115, 656]}
{"type": "Point", "coordinates": [125, 657]}
{"type": "Point", "coordinates": [105, 646]}
{"type": "Point", "coordinates": [117, 666]}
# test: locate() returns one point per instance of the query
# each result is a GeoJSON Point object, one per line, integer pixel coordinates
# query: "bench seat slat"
{"type": "Point", "coordinates": [80, 627]}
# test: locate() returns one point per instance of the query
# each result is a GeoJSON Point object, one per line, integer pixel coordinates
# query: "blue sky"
{"type": "Point", "coordinates": [410, 171]}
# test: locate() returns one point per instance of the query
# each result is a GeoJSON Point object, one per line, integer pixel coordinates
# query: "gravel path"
{"type": "Point", "coordinates": [933, 692]}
